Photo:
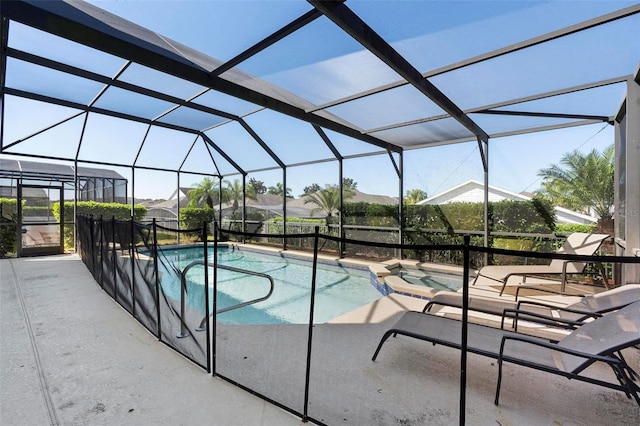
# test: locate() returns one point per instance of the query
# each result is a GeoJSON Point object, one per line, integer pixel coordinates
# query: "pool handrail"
{"type": "Point", "coordinates": [184, 332]}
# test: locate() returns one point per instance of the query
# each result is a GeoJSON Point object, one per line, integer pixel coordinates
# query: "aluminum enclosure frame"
{"type": "Point", "coordinates": [90, 26]}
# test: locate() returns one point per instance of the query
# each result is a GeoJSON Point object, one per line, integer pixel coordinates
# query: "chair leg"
{"type": "Point", "coordinates": [384, 339]}
{"type": "Point", "coordinates": [504, 285]}
{"type": "Point", "coordinates": [632, 374]}
{"type": "Point", "coordinates": [499, 381]}
{"type": "Point", "coordinates": [631, 389]}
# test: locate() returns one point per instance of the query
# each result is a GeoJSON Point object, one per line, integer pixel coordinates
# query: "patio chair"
{"type": "Point", "coordinates": [569, 316]}
{"type": "Point", "coordinates": [600, 340]}
{"type": "Point", "coordinates": [577, 243]}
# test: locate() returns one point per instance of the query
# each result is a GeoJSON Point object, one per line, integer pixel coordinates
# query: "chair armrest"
{"type": "Point", "coordinates": [553, 346]}
{"type": "Point", "coordinates": [536, 303]}
{"type": "Point", "coordinates": [518, 314]}
{"type": "Point", "coordinates": [432, 303]}
{"type": "Point", "coordinates": [585, 314]}
{"type": "Point", "coordinates": [545, 290]}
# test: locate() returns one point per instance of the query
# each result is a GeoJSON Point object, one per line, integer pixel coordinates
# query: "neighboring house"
{"type": "Point", "coordinates": [268, 204]}
{"type": "Point", "coordinates": [179, 195]}
{"type": "Point", "coordinates": [472, 191]}
{"type": "Point", "coordinates": [167, 210]}
{"type": "Point", "coordinates": [271, 206]}
{"type": "Point", "coordinates": [361, 197]}
{"type": "Point", "coordinates": [300, 205]}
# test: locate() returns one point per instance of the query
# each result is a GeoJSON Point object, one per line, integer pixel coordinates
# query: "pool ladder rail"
{"type": "Point", "coordinates": [203, 324]}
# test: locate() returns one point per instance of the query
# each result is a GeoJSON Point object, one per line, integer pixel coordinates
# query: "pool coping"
{"type": "Point", "coordinates": [380, 275]}
{"type": "Point", "coordinates": [389, 283]}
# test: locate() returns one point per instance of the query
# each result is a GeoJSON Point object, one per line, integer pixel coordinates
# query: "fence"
{"type": "Point", "coordinates": [321, 372]}
{"type": "Point", "coordinates": [133, 266]}
{"type": "Point", "coordinates": [269, 233]}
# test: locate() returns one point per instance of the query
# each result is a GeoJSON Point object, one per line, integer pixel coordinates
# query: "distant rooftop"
{"type": "Point", "coordinates": [36, 170]}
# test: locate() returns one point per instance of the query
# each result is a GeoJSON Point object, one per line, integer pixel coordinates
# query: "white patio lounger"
{"type": "Point", "coordinates": [568, 316]}
{"type": "Point", "coordinates": [577, 243]}
{"type": "Point", "coordinates": [600, 340]}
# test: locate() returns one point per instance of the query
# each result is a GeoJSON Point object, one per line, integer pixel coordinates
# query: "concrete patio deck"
{"type": "Point", "coordinates": [69, 355]}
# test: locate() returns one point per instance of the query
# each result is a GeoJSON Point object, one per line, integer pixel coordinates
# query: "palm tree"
{"type": "Point", "coordinates": [233, 193]}
{"type": "Point", "coordinates": [557, 192]}
{"type": "Point", "coordinates": [205, 193]}
{"type": "Point", "coordinates": [314, 187]}
{"type": "Point", "coordinates": [257, 186]}
{"type": "Point", "coordinates": [584, 182]}
{"type": "Point", "coordinates": [279, 190]}
{"type": "Point", "coordinates": [414, 195]}
{"type": "Point", "coordinates": [328, 199]}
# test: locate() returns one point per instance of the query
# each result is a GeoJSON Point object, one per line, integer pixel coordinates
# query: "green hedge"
{"type": "Point", "coordinates": [437, 224]}
{"type": "Point", "coordinates": [300, 220]}
{"type": "Point", "coordinates": [107, 211]}
{"type": "Point", "coordinates": [369, 214]}
{"type": "Point", "coordinates": [307, 227]}
{"type": "Point", "coordinates": [535, 216]}
{"type": "Point", "coordinates": [36, 211]}
{"type": "Point", "coordinates": [575, 227]}
{"type": "Point", "coordinates": [251, 215]}
{"type": "Point", "coordinates": [193, 217]}
{"type": "Point", "coordinates": [8, 225]}
{"type": "Point", "coordinates": [8, 207]}
{"type": "Point", "coordinates": [233, 222]}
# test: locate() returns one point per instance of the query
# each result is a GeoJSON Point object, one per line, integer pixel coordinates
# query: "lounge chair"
{"type": "Point", "coordinates": [577, 243]}
{"type": "Point", "coordinates": [600, 340]}
{"type": "Point", "coordinates": [569, 316]}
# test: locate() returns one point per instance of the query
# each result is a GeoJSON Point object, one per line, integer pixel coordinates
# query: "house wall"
{"type": "Point", "coordinates": [564, 217]}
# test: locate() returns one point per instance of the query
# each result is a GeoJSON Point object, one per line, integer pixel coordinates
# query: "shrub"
{"type": "Point", "coordinates": [8, 207]}
{"type": "Point", "coordinates": [300, 220]}
{"type": "Point", "coordinates": [107, 211]}
{"type": "Point", "coordinates": [438, 224]}
{"type": "Point", "coordinates": [8, 225]}
{"type": "Point", "coordinates": [36, 211]}
{"type": "Point", "coordinates": [193, 217]}
{"type": "Point", "coordinates": [369, 214]}
{"type": "Point", "coordinates": [304, 225]}
{"type": "Point", "coordinates": [118, 211]}
{"type": "Point", "coordinates": [254, 220]}
{"type": "Point", "coordinates": [575, 227]}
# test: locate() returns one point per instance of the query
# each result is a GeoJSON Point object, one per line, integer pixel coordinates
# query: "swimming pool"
{"type": "Point", "coordinates": [339, 289]}
{"type": "Point", "coordinates": [433, 279]}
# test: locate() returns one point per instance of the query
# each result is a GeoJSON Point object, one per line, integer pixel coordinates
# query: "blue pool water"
{"type": "Point", "coordinates": [338, 289]}
{"type": "Point", "coordinates": [432, 279]}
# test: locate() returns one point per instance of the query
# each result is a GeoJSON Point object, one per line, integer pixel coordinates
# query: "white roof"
{"type": "Point", "coordinates": [472, 191]}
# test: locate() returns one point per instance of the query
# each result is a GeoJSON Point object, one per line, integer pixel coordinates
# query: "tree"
{"type": "Point", "coordinates": [414, 195]}
{"type": "Point", "coordinates": [258, 186]}
{"type": "Point", "coordinates": [328, 199]}
{"type": "Point", "coordinates": [279, 190]}
{"type": "Point", "coordinates": [233, 193]}
{"type": "Point", "coordinates": [582, 182]}
{"type": "Point", "coordinates": [349, 183]}
{"type": "Point", "coordinates": [206, 193]}
{"type": "Point", "coordinates": [314, 187]}
{"type": "Point", "coordinates": [557, 193]}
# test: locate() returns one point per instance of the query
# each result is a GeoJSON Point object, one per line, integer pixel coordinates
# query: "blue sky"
{"type": "Point", "coordinates": [458, 31]}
